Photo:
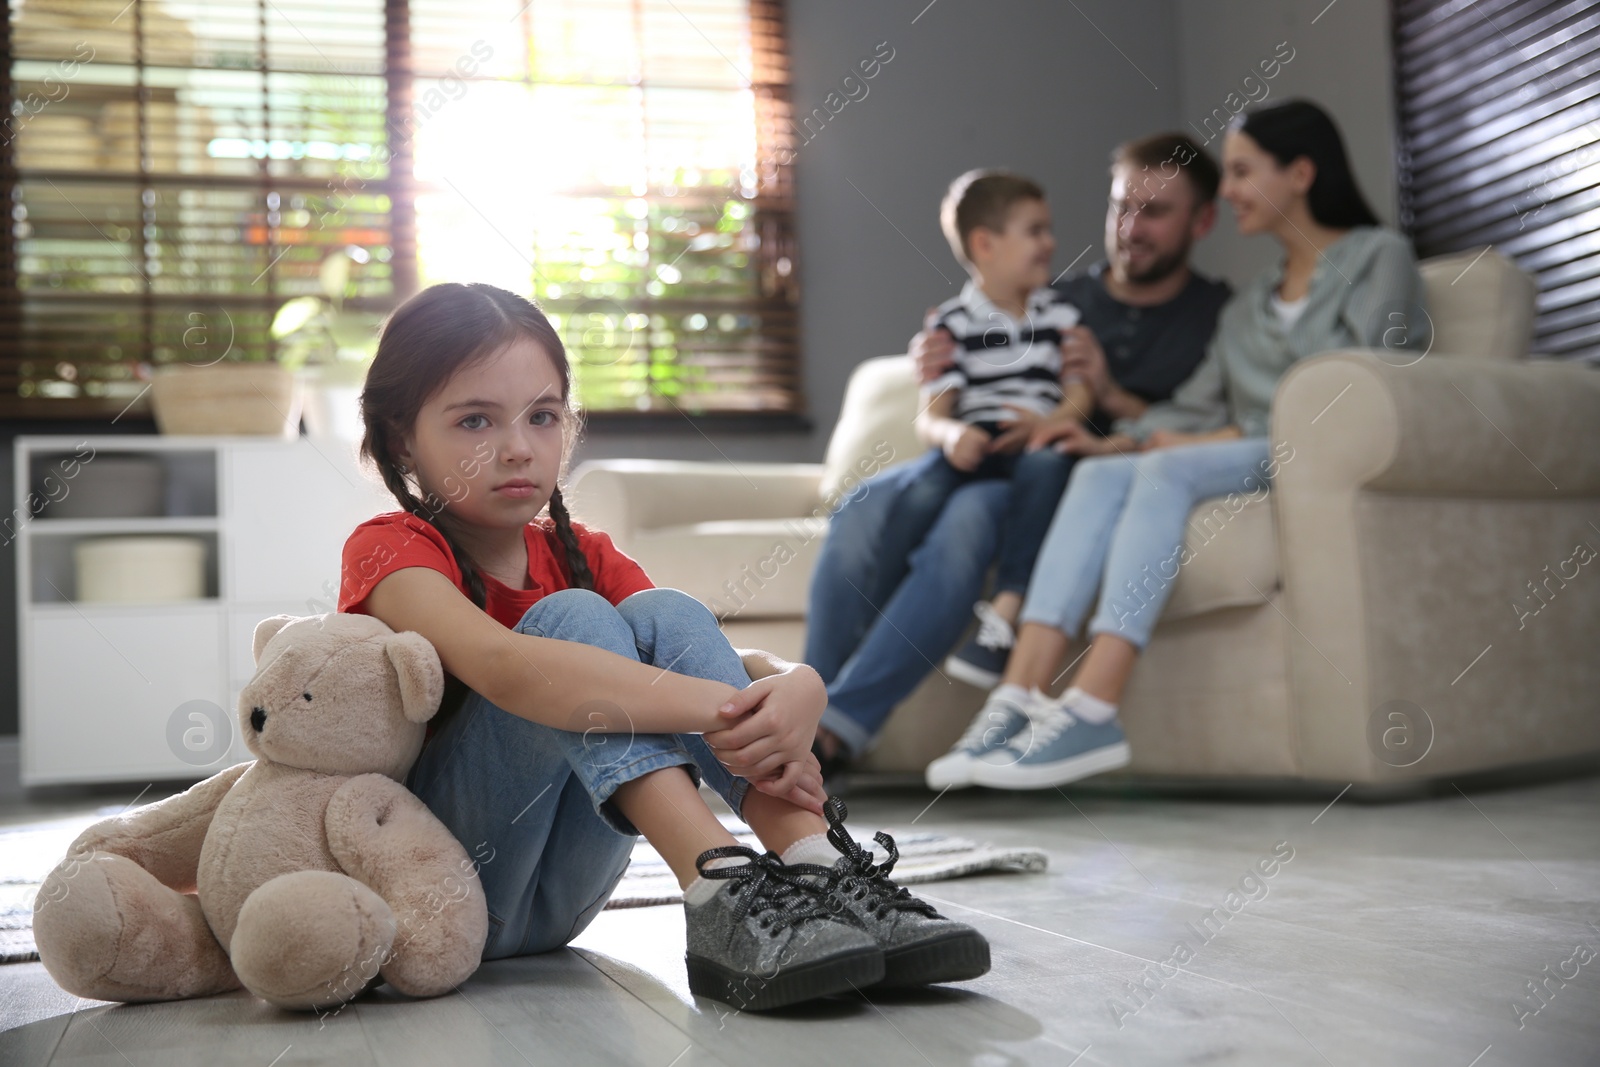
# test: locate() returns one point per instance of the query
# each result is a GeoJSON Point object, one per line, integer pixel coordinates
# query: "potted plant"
{"type": "Point", "coordinates": [323, 352]}
{"type": "Point", "coordinates": [223, 394]}
{"type": "Point", "coordinates": [329, 347]}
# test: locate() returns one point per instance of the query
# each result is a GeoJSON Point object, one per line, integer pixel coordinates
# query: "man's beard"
{"type": "Point", "coordinates": [1161, 268]}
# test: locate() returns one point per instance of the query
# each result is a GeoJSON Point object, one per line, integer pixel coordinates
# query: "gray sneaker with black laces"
{"type": "Point", "coordinates": [765, 940]}
{"type": "Point", "coordinates": [920, 946]}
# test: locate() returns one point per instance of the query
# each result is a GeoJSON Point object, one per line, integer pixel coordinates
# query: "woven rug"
{"type": "Point", "coordinates": [28, 852]}
{"type": "Point", "coordinates": [924, 857]}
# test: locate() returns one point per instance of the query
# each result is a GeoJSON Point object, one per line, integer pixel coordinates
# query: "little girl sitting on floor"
{"type": "Point", "coordinates": [583, 705]}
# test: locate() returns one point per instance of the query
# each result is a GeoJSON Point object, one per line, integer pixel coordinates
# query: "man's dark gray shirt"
{"type": "Point", "coordinates": [1150, 351]}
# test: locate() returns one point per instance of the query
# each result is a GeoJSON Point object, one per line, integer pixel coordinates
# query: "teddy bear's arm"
{"type": "Point", "coordinates": [386, 838]}
{"type": "Point", "coordinates": [165, 837]}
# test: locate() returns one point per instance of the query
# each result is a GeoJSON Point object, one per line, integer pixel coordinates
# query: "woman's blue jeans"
{"type": "Point", "coordinates": [1120, 530]}
{"type": "Point", "coordinates": [530, 803]}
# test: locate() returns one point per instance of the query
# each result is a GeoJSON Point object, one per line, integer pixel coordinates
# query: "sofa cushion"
{"type": "Point", "coordinates": [876, 427]}
{"type": "Point", "coordinates": [1233, 557]}
{"type": "Point", "coordinates": [1480, 303]}
{"type": "Point", "coordinates": [749, 568]}
{"type": "Point", "coordinates": [761, 568]}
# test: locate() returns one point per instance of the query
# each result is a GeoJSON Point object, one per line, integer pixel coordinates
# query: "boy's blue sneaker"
{"type": "Point", "coordinates": [982, 660]}
{"type": "Point", "coordinates": [1056, 749]}
{"type": "Point", "coordinates": [997, 722]}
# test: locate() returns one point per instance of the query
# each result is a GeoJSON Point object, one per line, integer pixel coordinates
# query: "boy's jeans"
{"type": "Point", "coordinates": [1036, 481]}
{"type": "Point", "coordinates": [529, 802]}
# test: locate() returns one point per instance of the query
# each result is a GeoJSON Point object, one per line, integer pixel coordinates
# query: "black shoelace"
{"type": "Point", "coordinates": [773, 893]}
{"type": "Point", "coordinates": [860, 878]}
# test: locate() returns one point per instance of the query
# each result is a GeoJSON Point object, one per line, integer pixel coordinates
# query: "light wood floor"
{"type": "Point", "coordinates": [1397, 934]}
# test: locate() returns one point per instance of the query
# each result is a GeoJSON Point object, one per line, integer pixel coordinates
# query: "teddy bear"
{"type": "Point", "coordinates": [306, 876]}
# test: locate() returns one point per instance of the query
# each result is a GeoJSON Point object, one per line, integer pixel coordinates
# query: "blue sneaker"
{"type": "Point", "coordinates": [1057, 748]}
{"type": "Point", "coordinates": [997, 722]}
{"type": "Point", "coordinates": [982, 660]}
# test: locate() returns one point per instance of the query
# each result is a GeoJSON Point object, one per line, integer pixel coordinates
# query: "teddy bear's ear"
{"type": "Point", "coordinates": [266, 630]}
{"type": "Point", "coordinates": [421, 675]}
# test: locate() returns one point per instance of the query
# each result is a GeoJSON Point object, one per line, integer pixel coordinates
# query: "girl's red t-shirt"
{"type": "Point", "coordinates": [395, 540]}
{"type": "Point", "coordinates": [398, 539]}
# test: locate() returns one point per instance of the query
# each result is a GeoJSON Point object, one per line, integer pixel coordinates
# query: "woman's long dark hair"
{"type": "Point", "coordinates": [424, 343]}
{"type": "Point", "coordinates": [1300, 128]}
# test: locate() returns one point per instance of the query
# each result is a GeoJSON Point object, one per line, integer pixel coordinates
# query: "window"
{"type": "Point", "coordinates": [178, 172]}
{"type": "Point", "coordinates": [1500, 144]}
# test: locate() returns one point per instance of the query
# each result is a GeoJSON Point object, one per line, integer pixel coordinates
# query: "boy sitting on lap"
{"type": "Point", "coordinates": [1006, 386]}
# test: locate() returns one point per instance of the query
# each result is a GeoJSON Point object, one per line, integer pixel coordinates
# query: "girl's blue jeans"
{"type": "Point", "coordinates": [531, 803]}
{"type": "Point", "coordinates": [1120, 530]}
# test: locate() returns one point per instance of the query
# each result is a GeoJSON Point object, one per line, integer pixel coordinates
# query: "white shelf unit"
{"type": "Point", "coordinates": [99, 681]}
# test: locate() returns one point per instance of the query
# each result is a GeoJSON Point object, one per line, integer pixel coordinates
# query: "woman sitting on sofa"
{"type": "Point", "coordinates": [1120, 526]}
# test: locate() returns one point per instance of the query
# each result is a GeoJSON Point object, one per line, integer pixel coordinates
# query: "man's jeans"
{"type": "Point", "coordinates": [878, 622]}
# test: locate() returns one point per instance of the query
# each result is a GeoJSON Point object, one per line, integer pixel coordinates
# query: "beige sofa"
{"type": "Point", "coordinates": [1413, 600]}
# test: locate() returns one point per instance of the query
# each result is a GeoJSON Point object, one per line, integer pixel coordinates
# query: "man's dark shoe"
{"type": "Point", "coordinates": [920, 946]}
{"type": "Point", "coordinates": [832, 765]}
{"type": "Point", "coordinates": [981, 662]}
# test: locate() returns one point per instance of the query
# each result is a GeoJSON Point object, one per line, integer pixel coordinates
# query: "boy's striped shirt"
{"type": "Point", "coordinates": [999, 360]}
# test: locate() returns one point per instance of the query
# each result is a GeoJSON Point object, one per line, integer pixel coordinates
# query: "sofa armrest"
{"type": "Point", "coordinates": [626, 496]}
{"type": "Point", "coordinates": [1413, 506]}
{"type": "Point", "coordinates": [1462, 427]}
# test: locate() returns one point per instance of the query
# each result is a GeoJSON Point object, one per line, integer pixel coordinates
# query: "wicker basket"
{"type": "Point", "coordinates": [227, 398]}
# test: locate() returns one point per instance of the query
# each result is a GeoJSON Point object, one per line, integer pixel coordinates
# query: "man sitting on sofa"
{"type": "Point", "coordinates": [874, 626]}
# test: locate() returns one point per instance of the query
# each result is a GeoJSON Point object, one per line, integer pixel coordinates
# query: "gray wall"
{"type": "Point", "coordinates": [1341, 61]}
{"type": "Point", "coordinates": [1045, 89]}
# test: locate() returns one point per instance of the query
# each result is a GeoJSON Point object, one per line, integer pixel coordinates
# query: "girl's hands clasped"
{"type": "Point", "coordinates": [771, 724]}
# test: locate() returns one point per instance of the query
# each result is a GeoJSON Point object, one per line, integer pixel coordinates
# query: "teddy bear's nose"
{"type": "Point", "coordinates": [258, 719]}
